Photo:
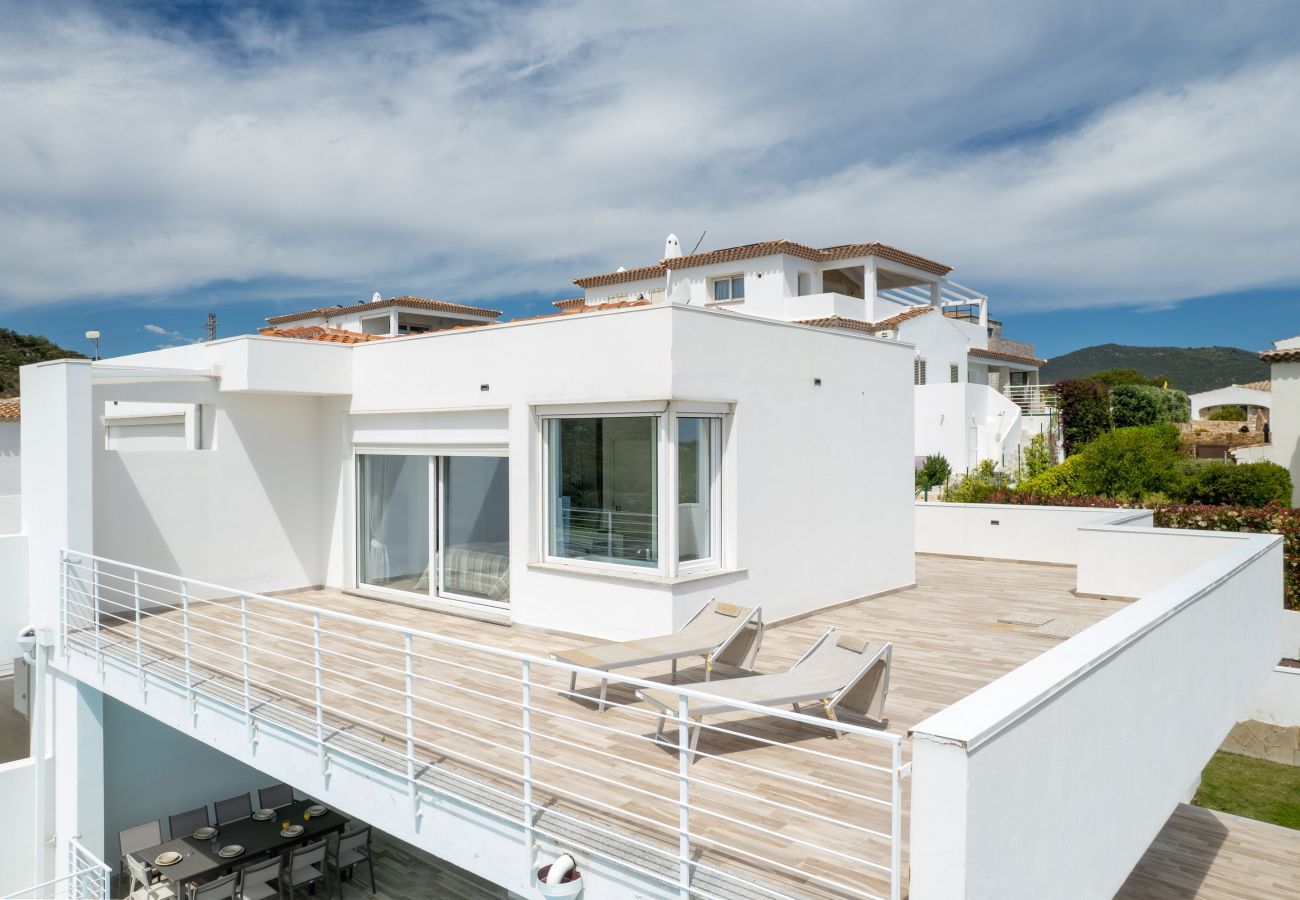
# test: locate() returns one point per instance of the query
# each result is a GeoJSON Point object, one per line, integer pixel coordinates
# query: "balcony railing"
{"type": "Point", "coordinates": [87, 879]}
{"type": "Point", "coordinates": [1034, 399]}
{"type": "Point", "coordinates": [760, 808]}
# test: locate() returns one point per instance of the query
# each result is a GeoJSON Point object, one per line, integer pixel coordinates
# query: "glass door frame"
{"type": "Point", "coordinates": [435, 458]}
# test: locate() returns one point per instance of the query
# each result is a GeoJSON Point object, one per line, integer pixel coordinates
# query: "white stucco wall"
{"type": "Point", "coordinates": [17, 836]}
{"type": "Point", "coordinates": [941, 342]}
{"type": "Point", "coordinates": [1047, 534]}
{"type": "Point", "coordinates": [1284, 420]}
{"type": "Point", "coordinates": [1233, 395]}
{"type": "Point", "coordinates": [14, 613]}
{"type": "Point", "coordinates": [1063, 771]}
{"type": "Point", "coordinates": [946, 414]}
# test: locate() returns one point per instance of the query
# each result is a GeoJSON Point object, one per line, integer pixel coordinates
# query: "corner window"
{"type": "Point", "coordinates": [697, 488]}
{"type": "Point", "coordinates": [603, 489]}
{"type": "Point", "coordinates": [918, 371]}
{"type": "Point", "coordinates": [729, 287]}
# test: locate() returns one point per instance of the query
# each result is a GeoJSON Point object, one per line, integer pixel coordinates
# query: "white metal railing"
{"type": "Point", "coordinates": [742, 814]}
{"type": "Point", "coordinates": [609, 533]}
{"type": "Point", "coordinates": [951, 294]}
{"type": "Point", "coordinates": [87, 879]}
{"type": "Point", "coordinates": [1035, 399]}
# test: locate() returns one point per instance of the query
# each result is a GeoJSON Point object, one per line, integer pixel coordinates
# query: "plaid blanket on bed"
{"type": "Point", "coordinates": [482, 569]}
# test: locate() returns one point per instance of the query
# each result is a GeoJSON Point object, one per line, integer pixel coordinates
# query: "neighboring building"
{"type": "Point", "coordinates": [10, 452]}
{"type": "Point", "coordinates": [1255, 398]}
{"type": "Point", "coordinates": [978, 395]}
{"type": "Point", "coordinates": [391, 317]}
{"type": "Point", "coordinates": [1284, 413]}
{"type": "Point", "coordinates": [342, 562]}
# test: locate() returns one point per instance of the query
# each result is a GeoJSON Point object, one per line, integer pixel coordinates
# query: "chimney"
{"type": "Point", "coordinates": [672, 247]}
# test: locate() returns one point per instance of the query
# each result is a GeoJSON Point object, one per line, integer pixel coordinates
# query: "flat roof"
{"type": "Point", "coordinates": [420, 303]}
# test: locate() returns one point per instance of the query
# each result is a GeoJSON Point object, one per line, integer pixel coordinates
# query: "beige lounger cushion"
{"type": "Point", "coordinates": [700, 637]}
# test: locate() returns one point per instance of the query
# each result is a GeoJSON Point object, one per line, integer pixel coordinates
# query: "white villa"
{"type": "Point", "coordinates": [1256, 399]}
{"type": "Point", "coordinates": [978, 394]}
{"type": "Point", "coordinates": [1284, 413]}
{"type": "Point", "coordinates": [346, 560]}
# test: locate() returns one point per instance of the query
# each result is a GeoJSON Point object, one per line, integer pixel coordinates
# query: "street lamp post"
{"type": "Point", "coordinates": [94, 336]}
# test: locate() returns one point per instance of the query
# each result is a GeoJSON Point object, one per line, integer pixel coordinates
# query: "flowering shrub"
{"type": "Point", "coordinates": [1272, 519]}
{"type": "Point", "coordinates": [1022, 497]}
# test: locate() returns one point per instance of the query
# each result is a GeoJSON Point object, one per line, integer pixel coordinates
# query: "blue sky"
{"type": "Point", "coordinates": [1105, 172]}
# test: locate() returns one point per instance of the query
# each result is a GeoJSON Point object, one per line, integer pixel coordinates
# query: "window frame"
{"type": "Point", "coordinates": [730, 281]}
{"type": "Point", "coordinates": [666, 460]}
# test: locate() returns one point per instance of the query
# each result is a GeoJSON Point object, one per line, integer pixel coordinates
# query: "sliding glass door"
{"type": "Point", "coordinates": [431, 526]}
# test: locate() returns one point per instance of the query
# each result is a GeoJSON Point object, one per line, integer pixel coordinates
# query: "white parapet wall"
{"type": "Point", "coordinates": [17, 836]}
{"type": "Point", "coordinates": [1047, 534]}
{"type": "Point", "coordinates": [1054, 779]}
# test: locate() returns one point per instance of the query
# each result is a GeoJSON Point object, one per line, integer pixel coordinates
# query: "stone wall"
{"type": "Point", "coordinates": [1275, 743]}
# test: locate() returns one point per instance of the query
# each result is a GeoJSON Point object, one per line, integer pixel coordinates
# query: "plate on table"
{"type": "Point", "coordinates": [264, 815]}
{"type": "Point", "coordinates": [317, 810]}
{"type": "Point", "coordinates": [291, 831]}
{"type": "Point", "coordinates": [170, 858]}
{"type": "Point", "coordinates": [230, 851]}
{"type": "Point", "coordinates": [206, 832]}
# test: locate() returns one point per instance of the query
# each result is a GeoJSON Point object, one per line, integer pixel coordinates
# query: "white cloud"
{"type": "Point", "coordinates": [559, 141]}
{"type": "Point", "coordinates": [155, 329]}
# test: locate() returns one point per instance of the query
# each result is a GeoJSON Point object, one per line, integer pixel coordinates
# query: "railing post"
{"type": "Point", "coordinates": [896, 824]}
{"type": "Point", "coordinates": [94, 581]}
{"type": "Point", "coordinates": [526, 676]}
{"type": "Point", "coordinates": [64, 563]}
{"type": "Point", "coordinates": [139, 638]}
{"type": "Point", "coordinates": [189, 669]}
{"type": "Point", "coordinates": [320, 708]}
{"type": "Point", "coordinates": [683, 798]}
{"type": "Point", "coordinates": [243, 642]}
{"type": "Point", "coordinates": [410, 728]}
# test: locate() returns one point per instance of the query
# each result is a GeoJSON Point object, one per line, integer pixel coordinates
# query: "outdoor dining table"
{"type": "Point", "coordinates": [199, 859]}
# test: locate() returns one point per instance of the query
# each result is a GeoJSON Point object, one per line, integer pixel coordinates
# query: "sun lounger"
{"type": "Point", "coordinates": [722, 633]}
{"type": "Point", "coordinates": [840, 670]}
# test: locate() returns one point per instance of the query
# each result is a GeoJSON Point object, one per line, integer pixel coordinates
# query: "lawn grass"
{"type": "Point", "coordinates": [1254, 788]}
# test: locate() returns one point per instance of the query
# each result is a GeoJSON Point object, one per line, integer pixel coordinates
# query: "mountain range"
{"type": "Point", "coordinates": [1192, 369]}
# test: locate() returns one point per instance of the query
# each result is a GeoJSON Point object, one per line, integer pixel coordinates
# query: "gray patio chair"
{"type": "Point", "coordinates": [222, 888]}
{"type": "Point", "coordinates": [141, 874]}
{"type": "Point", "coordinates": [275, 796]}
{"type": "Point", "coordinates": [722, 633]}
{"type": "Point", "coordinates": [261, 880]}
{"type": "Point", "coordinates": [841, 670]}
{"type": "Point", "coordinates": [234, 809]}
{"type": "Point", "coordinates": [306, 867]}
{"type": "Point", "coordinates": [186, 823]}
{"type": "Point", "coordinates": [352, 849]}
{"type": "Point", "coordinates": [141, 837]}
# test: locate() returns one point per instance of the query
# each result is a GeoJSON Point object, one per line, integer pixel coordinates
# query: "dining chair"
{"type": "Point", "coordinates": [140, 874]}
{"type": "Point", "coordinates": [306, 867]}
{"type": "Point", "coordinates": [353, 848]}
{"type": "Point", "coordinates": [141, 837]}
{"type": "Point", "coordinates": [275, 796]}
{"type": "Point", "coordinates": [186, 823]}
{"type": "Point", "coordinates": [255, 881]}
{"type": "Point", "coordinates": [234, 809]}
{"type": "Point", "coordinates": [222, 888]}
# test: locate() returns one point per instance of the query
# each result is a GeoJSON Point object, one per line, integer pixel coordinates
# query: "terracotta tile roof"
{"type": "Point", "coordinates": [570, 303]}
{"type": "Point", "coordinates": [322, 333]}
{"type": "Point", "coordinates": [895, 321]}
{"type": "Point", "coordinates": [768, 248]}
{"type": "Point", "coordinates": [10, 409]}
{"type": "Point", "coordinates": [1258, 386]}
{"type": "Point", "coordinates": [644, 272]}
{"type": "Point", "coordinates": [840, 323]}
{"type": "Point", "coordinates": [1006, 357]}
{"type": "Point", "coordinates": [578, 310]}
{"type": "Point", "coordinates": [1289, 354]}
{"type": "Point", "coordinates": [328, 312]}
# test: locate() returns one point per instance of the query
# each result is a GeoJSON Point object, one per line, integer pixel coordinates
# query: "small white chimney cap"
{"type": "Point", "coordinates": [376, 298]}
{"type": "Point", "coordinates": [672, 247]}
{"type": "Point", "coordinates": [622, 268]}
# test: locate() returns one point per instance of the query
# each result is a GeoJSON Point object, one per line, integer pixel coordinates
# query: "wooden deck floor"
{"type": "Point", "coordinates": [605, 769]}
{"type": "Point", "coordinates": [1206, 855]}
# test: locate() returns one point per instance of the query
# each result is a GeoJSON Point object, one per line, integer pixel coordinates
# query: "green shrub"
{"type": "Point", "coordinates": [1229, 414]}
{"type": "Point", "coordinates": [1116, 377]}
{"type": "Point", "coordinates": [1059, 481]}
{"type": "Point", "coordinates": [1130, 463]}
{"type": "Point", "coordinates": [1251, 484]}
{"type": "Point", "coordinates": [1143, 404]}
{"type": "Point", "coordinates": [1085, 412]}
{"type": "Point", "coordinates": [977, 486]}
{"type": "Point", "coordinates": [1037, 458]}
{"type": "Point", "coordinates": [934, 471]}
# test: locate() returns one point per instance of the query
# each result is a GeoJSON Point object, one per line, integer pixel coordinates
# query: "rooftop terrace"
{"type": "Point", "coordinates": [769, 790]}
